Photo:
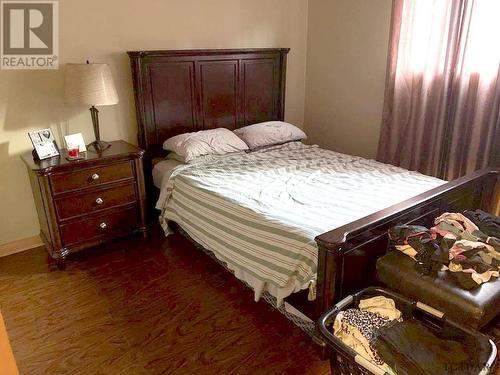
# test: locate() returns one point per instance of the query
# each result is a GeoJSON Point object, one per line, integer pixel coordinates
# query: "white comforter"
{"type": "Point", "coordinates": [259, 212]}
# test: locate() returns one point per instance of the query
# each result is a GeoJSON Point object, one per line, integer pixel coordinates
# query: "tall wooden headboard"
{"type": "Point", "coordinates": [189, 90]}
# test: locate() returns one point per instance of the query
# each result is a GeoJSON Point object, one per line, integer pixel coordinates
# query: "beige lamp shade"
{"type": "Point", "coordinates": [89, 84]}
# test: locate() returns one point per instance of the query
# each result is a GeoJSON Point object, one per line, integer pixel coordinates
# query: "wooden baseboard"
{"type": "Point", "coordinates": [20, 245]}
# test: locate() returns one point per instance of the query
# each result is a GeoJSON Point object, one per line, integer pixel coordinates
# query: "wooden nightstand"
{"type": "Point", "coordinates": [87, 202]}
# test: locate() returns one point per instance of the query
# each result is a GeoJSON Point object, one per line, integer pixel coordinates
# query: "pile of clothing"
{"type": "Point", "coordinates": [356, 327]}
{"type": "Point", "coordinates": [376, 331]}
{"type": "Point", "coordinates": [468, 245]}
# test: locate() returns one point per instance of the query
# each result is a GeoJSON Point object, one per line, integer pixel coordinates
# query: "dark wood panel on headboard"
{"type": "Point", "coordinates": [190, 90]}
{"type": "Point", "coordinates": [218, 83]}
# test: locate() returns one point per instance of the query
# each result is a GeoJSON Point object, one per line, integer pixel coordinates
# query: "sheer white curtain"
{"type": "Point", "coordinates": [442, 99]}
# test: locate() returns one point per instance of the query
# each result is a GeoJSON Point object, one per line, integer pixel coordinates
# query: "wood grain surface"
{"type": "Point", "coordinates": [155, 306]}
{"type": "Point", "coordinates": [7, 362]}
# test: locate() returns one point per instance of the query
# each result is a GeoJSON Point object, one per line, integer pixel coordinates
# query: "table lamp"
{"type": "Point", "coordinates": [90, 84]}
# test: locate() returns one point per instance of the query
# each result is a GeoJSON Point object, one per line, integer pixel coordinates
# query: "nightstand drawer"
{"type": "Point", "coordinates": [91, 177]}
{"type": "Point", "coordinates": [85, 203]}
{"type": "Point", "coordinates": [94, 226]}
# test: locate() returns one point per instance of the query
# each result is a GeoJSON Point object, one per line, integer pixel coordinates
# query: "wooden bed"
{"type": "Point", "coordinates": [182, 91]}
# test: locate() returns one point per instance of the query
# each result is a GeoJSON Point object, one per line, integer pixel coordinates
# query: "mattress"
{"type": "Point", "coordinates": [259, 212]}
{"type": "Point", "coordinates": [162, 171]}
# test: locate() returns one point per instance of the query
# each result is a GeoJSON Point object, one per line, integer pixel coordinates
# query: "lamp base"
{"type": "Point", "coordinates": [98, 146]}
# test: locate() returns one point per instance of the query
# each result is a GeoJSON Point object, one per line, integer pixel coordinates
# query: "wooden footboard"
{"type": "Point", "coordinates": [347, 255]}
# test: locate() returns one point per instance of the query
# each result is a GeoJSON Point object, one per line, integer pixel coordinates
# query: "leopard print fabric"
{"type": "Point", "coordinates": [367, 323]}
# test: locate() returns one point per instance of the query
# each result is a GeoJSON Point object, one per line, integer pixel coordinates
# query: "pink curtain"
{"type": "Point", "coordinates": [442, 101]}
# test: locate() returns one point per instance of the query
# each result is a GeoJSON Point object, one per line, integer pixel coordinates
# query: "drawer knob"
{"type": "Point", "coordinates": [94, 177]}
{"type": "Point", "coordinates": [99, 200]}
{"type": "Point", "coordinates": [103, 226]}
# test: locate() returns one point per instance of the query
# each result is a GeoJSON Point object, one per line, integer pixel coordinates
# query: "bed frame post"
{"type": "Point", "coordinates": [329, 281]}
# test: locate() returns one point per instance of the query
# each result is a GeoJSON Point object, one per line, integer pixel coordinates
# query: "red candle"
{"type": "Point", "coordinates": [74, 152]}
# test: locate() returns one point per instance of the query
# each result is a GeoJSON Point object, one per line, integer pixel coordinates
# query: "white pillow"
{"type": "Point", "coordinates": [269, 133]}
{"type": "Point", "coordinates": [218, 141]}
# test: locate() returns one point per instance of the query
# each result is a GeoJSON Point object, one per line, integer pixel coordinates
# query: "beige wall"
{"type": "Point", "coordinates": [102, 31]}
{"type": "Point", "coordinates": [346, 64]}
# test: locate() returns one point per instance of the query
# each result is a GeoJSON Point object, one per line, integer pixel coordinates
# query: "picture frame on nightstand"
{"type": "Point", "coordinates": [44, 144]}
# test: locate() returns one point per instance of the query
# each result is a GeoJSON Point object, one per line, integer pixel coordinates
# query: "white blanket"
{"type": "Point", "coordinates": [259, 212]}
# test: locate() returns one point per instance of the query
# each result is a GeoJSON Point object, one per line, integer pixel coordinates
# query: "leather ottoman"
{"type": "Point", "coordinates": [473, 309]}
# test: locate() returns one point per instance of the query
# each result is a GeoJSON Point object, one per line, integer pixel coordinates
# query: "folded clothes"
{"type": "Point", "coordinates": [456, 244]}
{"type": "Point", "coordinates": [410, 348]}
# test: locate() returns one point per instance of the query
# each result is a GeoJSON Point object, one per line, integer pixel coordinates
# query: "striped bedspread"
{"type": "Point", "coordinates": [259, 212]}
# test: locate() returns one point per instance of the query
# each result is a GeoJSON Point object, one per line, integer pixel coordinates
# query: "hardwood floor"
{"type": "Point", "coordinates": [155, 306]}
